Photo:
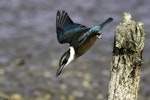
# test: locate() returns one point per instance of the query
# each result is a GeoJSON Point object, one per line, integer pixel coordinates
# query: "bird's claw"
{"type": "Point", "coordinates": [98, 35]}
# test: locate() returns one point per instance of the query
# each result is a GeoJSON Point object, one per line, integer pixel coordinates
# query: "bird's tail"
{"type": "Point", "coordinates": [97, 28]}
{"type": "Point", "coordinates": [107, 21]}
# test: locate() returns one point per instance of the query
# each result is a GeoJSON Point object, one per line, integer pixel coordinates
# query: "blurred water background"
{"type": "Point", "coordinates": [29, 51]}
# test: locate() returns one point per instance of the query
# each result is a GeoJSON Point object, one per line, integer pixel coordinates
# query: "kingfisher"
{"type": "Point", "coordinates": [79, 37]}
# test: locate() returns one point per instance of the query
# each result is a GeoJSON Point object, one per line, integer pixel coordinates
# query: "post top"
{"type": "Point", "coordinates": [127, 17]}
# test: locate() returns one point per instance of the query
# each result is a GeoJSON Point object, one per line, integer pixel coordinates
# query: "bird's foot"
{"type": "Point", "coordinates": [98, 35]}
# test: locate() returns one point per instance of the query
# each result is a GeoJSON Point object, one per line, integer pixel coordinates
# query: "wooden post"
{"type": "Point", "coordinates": [127, 60]}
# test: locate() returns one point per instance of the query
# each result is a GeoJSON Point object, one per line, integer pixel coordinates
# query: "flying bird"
{"type": "Point", "coordinates": [80, 37]}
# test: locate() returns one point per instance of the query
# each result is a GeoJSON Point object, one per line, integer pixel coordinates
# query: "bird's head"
{"type": "Point", "coordinates": [66, 58]}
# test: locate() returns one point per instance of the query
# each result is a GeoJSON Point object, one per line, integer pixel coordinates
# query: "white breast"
{"type": "Point", "coordinates": [72, 55]}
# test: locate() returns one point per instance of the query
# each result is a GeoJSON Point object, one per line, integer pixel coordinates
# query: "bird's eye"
{"type": "Point", "coordinates": [64, 61]}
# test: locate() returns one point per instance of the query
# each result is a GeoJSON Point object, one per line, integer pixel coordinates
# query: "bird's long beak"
{"type": "Point", "coordinates": [60, 70]}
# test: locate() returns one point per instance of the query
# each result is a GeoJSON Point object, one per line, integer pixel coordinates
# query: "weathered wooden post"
{"type": "Point", "coordinates": [127, 60]}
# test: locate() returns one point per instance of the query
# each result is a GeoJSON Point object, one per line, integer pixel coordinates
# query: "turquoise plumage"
{"type": "Point", "coordinates": [80, 37]}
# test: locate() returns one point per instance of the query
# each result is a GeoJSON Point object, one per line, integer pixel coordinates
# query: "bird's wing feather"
{"type": "Point", "coordinates": [66, 28]}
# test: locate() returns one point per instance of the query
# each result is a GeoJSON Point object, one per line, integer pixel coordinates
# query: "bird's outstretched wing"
{"type": "Point", "coordinates": [66, 29]}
